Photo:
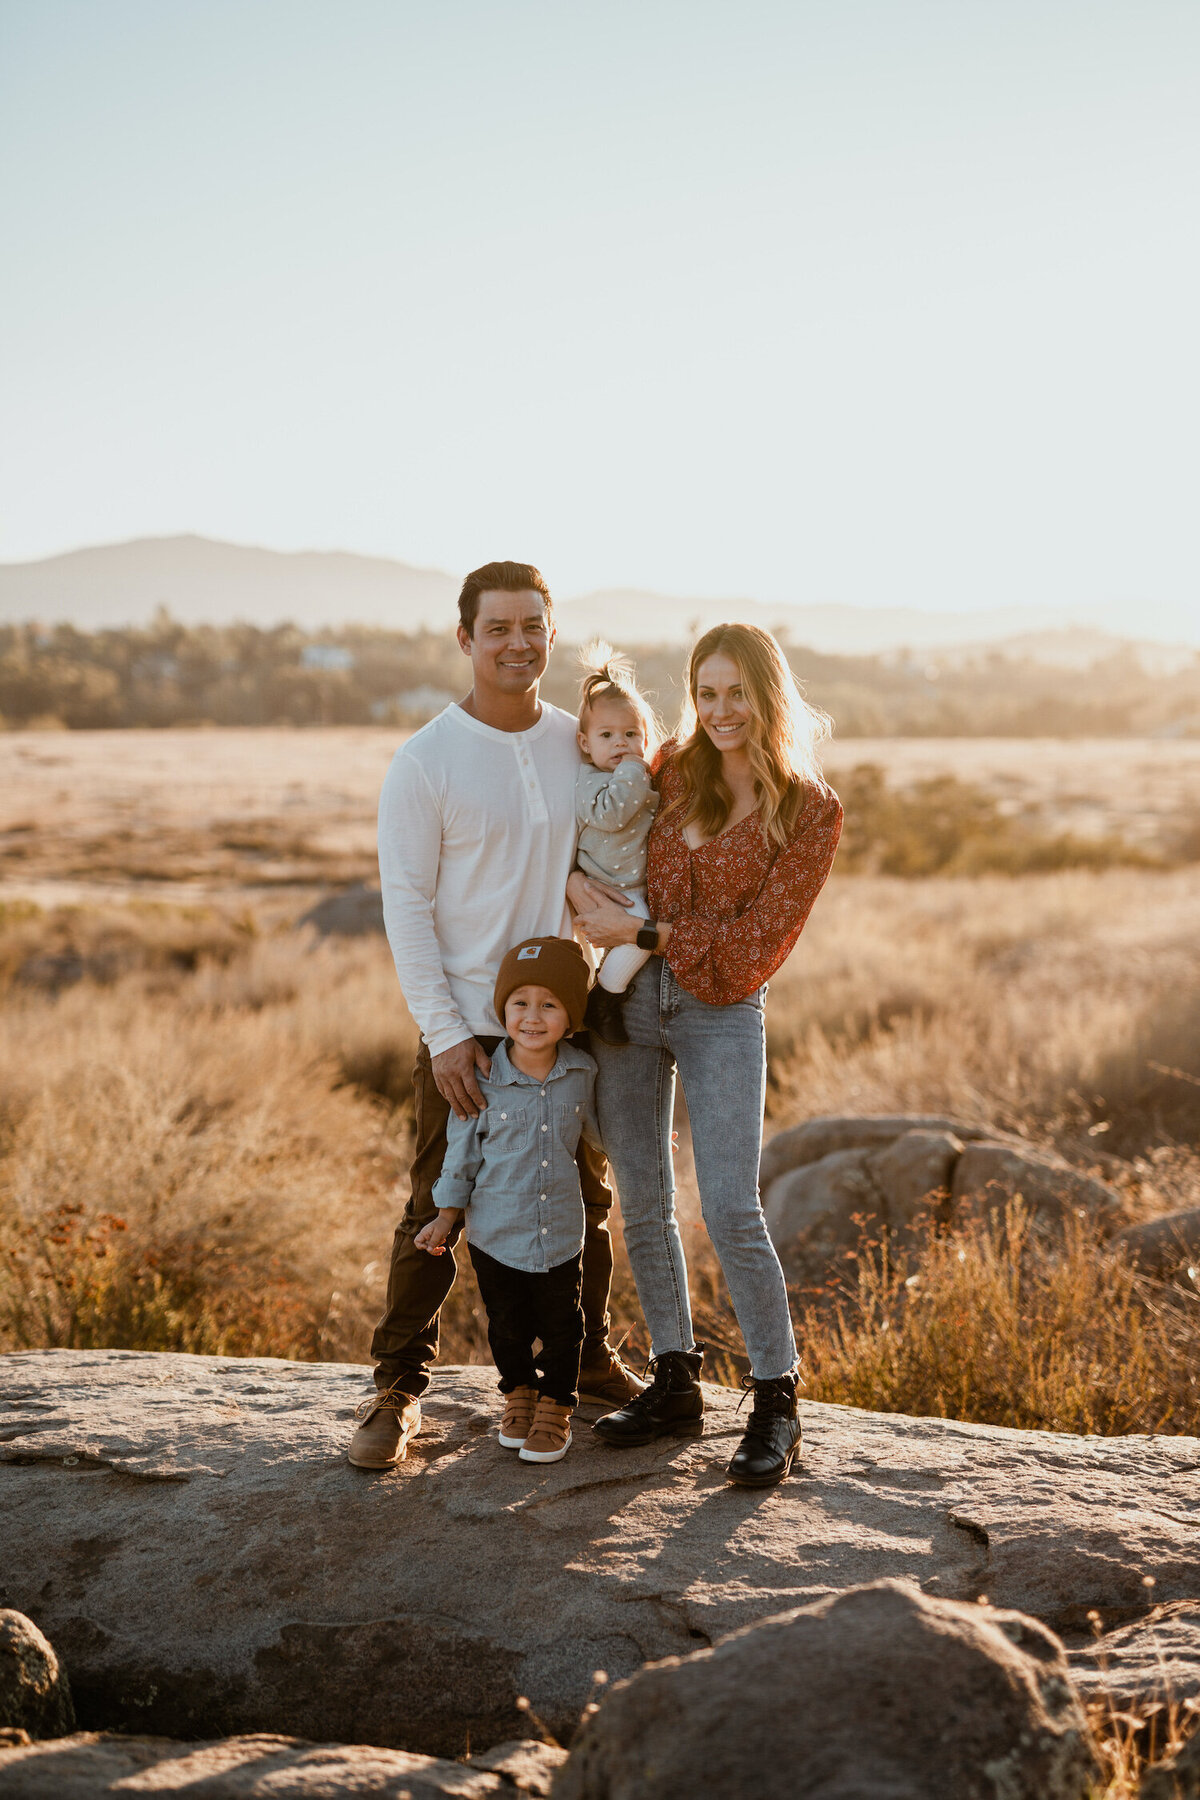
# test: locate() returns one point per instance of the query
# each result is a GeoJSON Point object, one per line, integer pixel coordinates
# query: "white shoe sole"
{"type": "Point", "coordinates": [546, 1455]}
{"type": "Point", "coordinates": [510, 1443]}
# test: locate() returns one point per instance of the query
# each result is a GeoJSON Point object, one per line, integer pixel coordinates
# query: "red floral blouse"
{"type": "Point", "coordinates": [738, 904]}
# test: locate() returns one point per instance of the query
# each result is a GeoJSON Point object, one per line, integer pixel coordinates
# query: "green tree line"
{"type": "Point", "coordinates": [171, 674]}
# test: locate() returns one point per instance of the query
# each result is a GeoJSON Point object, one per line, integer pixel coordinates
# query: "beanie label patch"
{"type": "Point", "coordinates": [530, 953]}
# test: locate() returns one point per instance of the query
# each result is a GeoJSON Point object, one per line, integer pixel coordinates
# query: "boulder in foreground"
{"type": "Point", "coordinates": [34, 1695]}
{"type": "Point", "coordinates": [879, 1692]}
{"type": "Point", "coordinates": [187, 1532]}
{"type": "Point", "coordinates": [96, 1764]}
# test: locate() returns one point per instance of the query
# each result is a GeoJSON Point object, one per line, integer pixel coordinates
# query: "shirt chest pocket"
{"type": "Point", "coordinates": [569, 1124]}
{"type": "Point", "coordinates": [512, 1127]}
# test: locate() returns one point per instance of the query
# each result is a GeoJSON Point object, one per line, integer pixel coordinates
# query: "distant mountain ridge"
{"type": "Point", "coordinates": [205, 581]}
{"type": "Point", "coordinates": [202, 581]}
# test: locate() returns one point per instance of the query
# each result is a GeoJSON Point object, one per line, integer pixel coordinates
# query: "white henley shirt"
{"type": "Point", "coordinates": [476, 840]}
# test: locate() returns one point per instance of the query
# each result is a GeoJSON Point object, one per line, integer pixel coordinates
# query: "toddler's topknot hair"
{"type": "Point", "coordinates": [608, 675]}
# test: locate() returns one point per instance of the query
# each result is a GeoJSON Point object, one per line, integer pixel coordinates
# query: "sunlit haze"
{"type": "Point", "coordinates": [879, 302]}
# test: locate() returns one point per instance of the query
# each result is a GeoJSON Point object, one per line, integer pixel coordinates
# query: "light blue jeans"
{"type": "Point", "coordinates": [720, 1053]}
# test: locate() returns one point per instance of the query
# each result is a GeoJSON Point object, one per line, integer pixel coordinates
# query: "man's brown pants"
{"type": "Point", "coordinates": [406, 1339]}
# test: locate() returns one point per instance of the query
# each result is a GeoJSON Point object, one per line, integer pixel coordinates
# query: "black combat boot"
{"type": "Point", "coordinates": [772, 1435]}
{"type": "Point", "coordinates": [672, 1406]}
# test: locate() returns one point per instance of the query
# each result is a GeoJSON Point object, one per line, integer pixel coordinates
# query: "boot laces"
{"type": "Point", "coordinates": [772, 1400]}
{"type": "Point", "coordinates": [393, 1398]}
{"type": "Point", "coordinates": [658, 1368]}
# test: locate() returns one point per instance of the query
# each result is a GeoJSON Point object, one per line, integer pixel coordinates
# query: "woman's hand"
{"type": "Point", "coordinates": [432, 1237]}
{"type": "Point", "coordinates": [585, 893]}
{"type": "Point", "coordinates": [606, 923]}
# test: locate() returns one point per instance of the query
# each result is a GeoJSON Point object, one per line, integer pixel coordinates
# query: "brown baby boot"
{"type": "Point", "coordinates": [519, 1408]}
{"type": "Point", "coordinates": [550, 1433]}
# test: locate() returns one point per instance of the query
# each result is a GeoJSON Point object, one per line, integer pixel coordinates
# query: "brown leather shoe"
{"type": "Point", "coordinates": [605, 1380]}
{"type": "Point", "coordinates": [389, 1419]}
{"type": "Point", "coordinates": [518, 1416]}
{"type": "Point", "coordinates": [550, 1434]}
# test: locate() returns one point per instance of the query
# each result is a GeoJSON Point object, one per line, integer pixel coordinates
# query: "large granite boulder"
{"type": "Point", "coordinates": [834, 1186]}
{"type": "Point", "coordinates": [994, 1174]}
{"type": "Point", "coordinates": [1166, 1247]}
{"type": "Point", "coordinates": [820, 1214]}
{"type": "Point", "coordinates": [812, 1139]}
{"type": "Point", "coordinates": [188, 1534]}
{"type": "Point", "coordinates": [355, 911]}
{"type": "Point", "coordinates": [1175, 1777]}
{"type": "Point", "coordinates": [34, 1695]}
{"type": "Point", "coordinates": [260, 1767]}
{"type": "Point", "coordinates": [881, 1691]}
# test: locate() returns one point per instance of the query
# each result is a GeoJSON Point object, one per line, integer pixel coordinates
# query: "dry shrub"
{"type": "Point", "coordinates": [194, 1167]}
{"type": "Point", "coordinates": [942, 825]}
{"type": "Point", "coordinates": [53, 949]}
{"type": "Point", "coordinates": [244, 1114]}
{"type": "Point", "coordinates": [998, 1000]}
{"type": "Point", "coordinates": [1000, 1326]}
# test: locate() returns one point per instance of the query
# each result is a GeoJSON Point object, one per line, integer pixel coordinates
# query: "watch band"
{"type": "Point", "coordinates": [647, 937]}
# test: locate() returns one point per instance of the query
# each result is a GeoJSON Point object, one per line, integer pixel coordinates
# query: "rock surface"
{"type": "Point", "coordinates": [1176, 1777]}
{"type": "Point", "coordinates": [188, 1534]}
{"type": "Point", "coordinates": [1164, 1247]}
{"type": "Point", "coordinates": [1155, 1657]}
{"type": "Point", "coordinates": [34, 1695]}
{"type": "Point", "coordinates": [996, 1173]}
{"type": "Point", "coordinates": [833, 1184]}
{"type": "Point", "coordinates": [809, 1141]}
{"type": "Point", "coordinates": [881, 1691]}
{"type": "Point", "coordinates": [356, 911]}
{"type": "Point", "coordinates": [256, 1767]}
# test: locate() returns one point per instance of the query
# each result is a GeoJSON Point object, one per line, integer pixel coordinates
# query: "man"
{"type": "Point", "coordinates": [476, 844]}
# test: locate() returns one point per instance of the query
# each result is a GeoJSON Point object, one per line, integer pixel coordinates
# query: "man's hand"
{"type": "Point", "coordinates": [454, 1077]}
{"type": "Point", "coordinates": [586, 895]}
{"type": "Point", "coordinates": [432, 1237]}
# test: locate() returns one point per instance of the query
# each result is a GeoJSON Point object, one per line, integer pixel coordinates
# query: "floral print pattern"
{"type": "Point", "coordinates": [738, 904]}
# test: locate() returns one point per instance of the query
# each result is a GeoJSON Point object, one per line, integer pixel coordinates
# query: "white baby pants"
{"type": "Point", "coordinates": [623, 961]}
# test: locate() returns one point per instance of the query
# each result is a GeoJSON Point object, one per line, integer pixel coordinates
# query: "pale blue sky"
{"type": "Point", "coordinates": [884, 303]}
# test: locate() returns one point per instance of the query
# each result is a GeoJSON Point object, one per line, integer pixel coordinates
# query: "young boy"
{"type": "Point", "coordinates": [512, 1171]}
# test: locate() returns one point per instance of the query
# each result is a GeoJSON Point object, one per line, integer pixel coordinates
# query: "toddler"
{"type": "Point", "coordinates": [614, 810]}
{"type": "Point", "coordinates": [512, 1171]}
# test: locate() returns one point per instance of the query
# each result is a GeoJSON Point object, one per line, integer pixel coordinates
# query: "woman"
{"type": "Point", "coordinates": [741, 847]}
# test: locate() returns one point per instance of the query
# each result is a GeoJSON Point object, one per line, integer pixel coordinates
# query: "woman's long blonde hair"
{"type": "Point", "coordinates": [782, 742]}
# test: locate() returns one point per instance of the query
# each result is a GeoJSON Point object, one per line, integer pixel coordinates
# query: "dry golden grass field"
{"type": "Point", "coordinates": [203, 1111]}
{"type": "Point", "coordinates": [260, 808]}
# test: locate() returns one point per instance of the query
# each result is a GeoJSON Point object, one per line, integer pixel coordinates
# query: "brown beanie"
{"type": "Point", "coordinates": [550, 962]}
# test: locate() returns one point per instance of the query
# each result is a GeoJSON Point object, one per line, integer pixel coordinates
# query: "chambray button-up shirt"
{"type": "Point", "coordinates": [513, 1168]}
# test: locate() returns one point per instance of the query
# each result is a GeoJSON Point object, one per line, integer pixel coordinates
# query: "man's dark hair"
{"type": "Point", "coordinates": [506, 578]}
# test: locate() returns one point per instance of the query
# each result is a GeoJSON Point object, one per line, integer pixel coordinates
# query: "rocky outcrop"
{"type": "Point", "coordinates": [881, 1691]}
{"type": "Point", "coordinates": [1176, 1777]}
{"type": "Point", "coordinates": [258, 1767]}
{"type": "Point", "coordinates": [996, 1173]}
{"type": "Point", "coordinates": [832, 1185]}
{"type": "Point", "coordinates": [1154, 1658]}
{"type": "Point", "coordinates": [356, 911]}
{"type": "Point", "coordinates": [1166, 1247]}
{"type": "Point", "coordinates": [813, 1139]}
{"type": "Point", "coordinates": [188, 1534]}
{"type": "Point", "coordinates": [34, 1695]}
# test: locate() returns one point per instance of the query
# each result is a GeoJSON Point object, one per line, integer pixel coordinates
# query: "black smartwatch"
{"type": "Point", "coordinates": [647, 937]}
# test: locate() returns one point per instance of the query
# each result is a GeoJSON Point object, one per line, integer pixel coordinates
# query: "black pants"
{"type": "Point", "coordinates": [522, 1306]}
{"type": "Point", "coordinates": [406, 1338]}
